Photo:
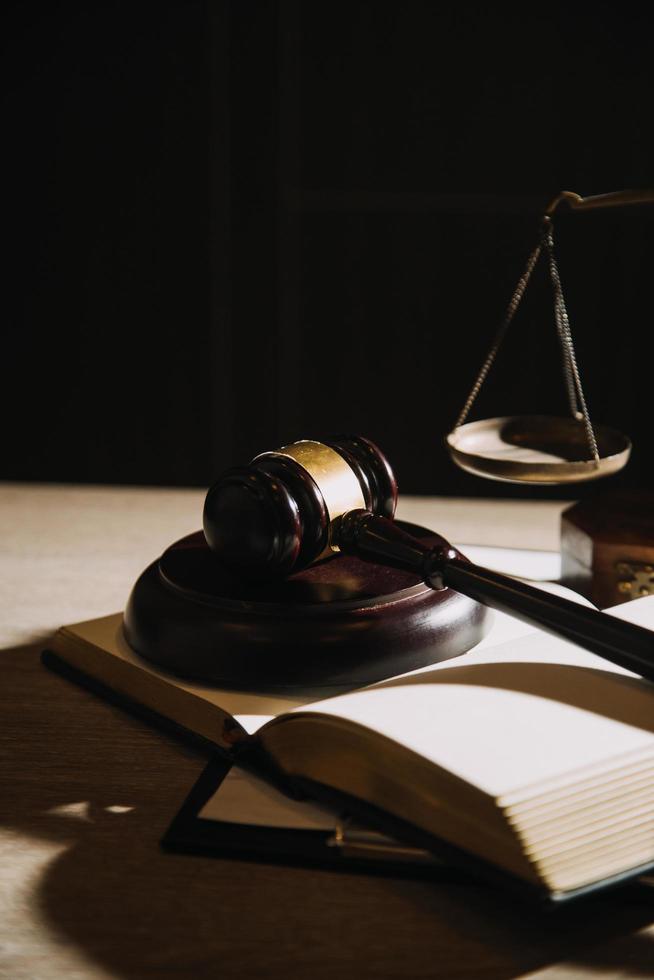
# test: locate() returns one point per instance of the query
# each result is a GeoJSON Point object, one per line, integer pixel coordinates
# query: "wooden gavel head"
{"type": "Point", "coordinates": [276, 515]}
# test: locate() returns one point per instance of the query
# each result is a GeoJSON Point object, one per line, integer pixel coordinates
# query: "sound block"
{"type": "Point", "coordinates": [340, 622]}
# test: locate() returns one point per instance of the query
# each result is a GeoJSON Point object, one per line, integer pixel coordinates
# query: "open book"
{"type": "Point", "coordinates": [527, 752]}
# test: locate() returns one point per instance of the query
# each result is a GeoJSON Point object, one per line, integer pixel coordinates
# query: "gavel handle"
{"type": "Point", "coordinates": [361, 533]}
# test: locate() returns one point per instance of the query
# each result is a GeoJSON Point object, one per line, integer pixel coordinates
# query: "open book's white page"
{"type": "Point", "coordinates": [519, 714]}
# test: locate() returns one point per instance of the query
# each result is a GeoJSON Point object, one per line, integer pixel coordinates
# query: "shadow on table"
{"type": "Point", "coordinates": [84, 774]}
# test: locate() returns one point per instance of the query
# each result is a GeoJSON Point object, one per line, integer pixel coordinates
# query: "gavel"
{"type": "Point", "coordinates": [309, 500]}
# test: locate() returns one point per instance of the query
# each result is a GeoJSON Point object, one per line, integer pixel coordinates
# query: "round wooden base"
{"type": "Point", "coordinates": [340, 622]}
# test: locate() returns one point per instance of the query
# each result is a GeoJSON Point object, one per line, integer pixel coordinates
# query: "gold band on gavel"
{"type": "Point", "coordinates": [336, 481]}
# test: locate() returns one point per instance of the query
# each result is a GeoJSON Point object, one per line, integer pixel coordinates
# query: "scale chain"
{"type": "Point", "coordinates": [571, 369]}
{"type": "Point", "coordinates": [576, 398]}
{"type": "Point", "coordinates": [499, 337]}
{"type": "Point", "coordinates": [567, 369]}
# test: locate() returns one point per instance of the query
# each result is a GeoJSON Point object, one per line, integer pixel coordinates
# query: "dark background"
{"type": "Point", "coordinates": [231, 225]}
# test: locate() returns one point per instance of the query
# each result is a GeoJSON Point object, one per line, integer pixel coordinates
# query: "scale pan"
{"type": "Point", "coordinates": [539, 449]}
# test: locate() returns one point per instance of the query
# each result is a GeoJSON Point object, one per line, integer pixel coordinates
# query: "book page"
{"type": "Point", "coordinates": [516, 715]}
{"type": "Point", "coordinates": [250, 708]}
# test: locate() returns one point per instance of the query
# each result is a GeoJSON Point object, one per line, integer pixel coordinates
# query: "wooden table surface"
{"type": "Point", "coordinates": [87, 792]}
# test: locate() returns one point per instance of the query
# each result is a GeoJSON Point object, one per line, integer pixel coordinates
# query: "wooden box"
{"type": "Point", "coordinates": [607, 547]}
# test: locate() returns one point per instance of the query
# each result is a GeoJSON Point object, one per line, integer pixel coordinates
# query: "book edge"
{"type": "Point", "coordinates": [59, 665]}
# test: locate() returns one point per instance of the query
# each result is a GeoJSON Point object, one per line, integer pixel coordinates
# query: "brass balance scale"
{"type": "Point", "coordinates": [543, 449]}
